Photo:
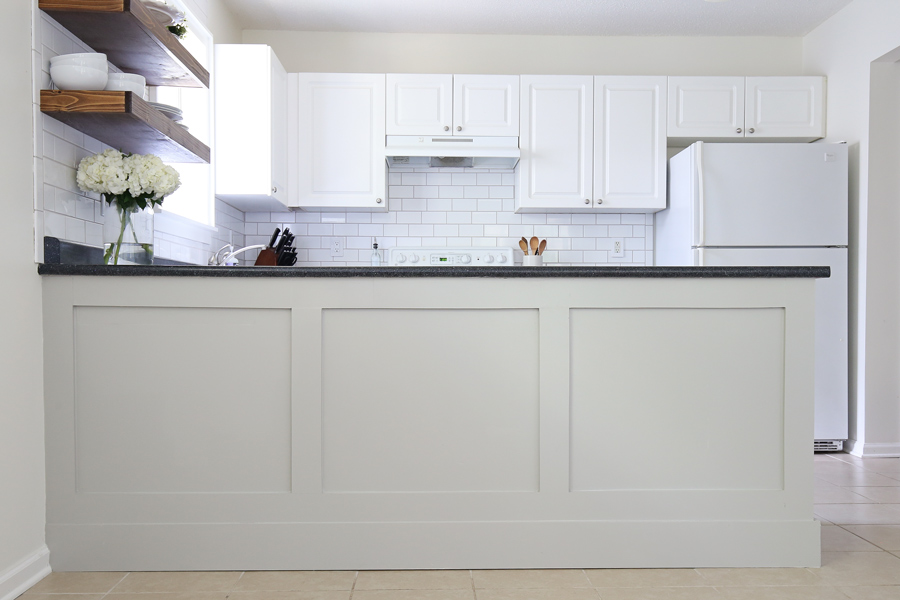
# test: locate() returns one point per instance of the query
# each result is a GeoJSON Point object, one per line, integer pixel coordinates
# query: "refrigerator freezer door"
{"type": "Point", "coordinates": [832, 367]}
{"type": "Point", "coordinates": [771, 195]}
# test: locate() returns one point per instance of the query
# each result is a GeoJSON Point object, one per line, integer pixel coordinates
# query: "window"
{"type": "Point", "coordinates": [195, 199]}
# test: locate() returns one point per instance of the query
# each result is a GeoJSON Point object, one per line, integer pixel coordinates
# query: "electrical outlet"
{"type": "Point", "coordinates": [337, 247]}
{"type": "Point", "coordinates": [618, 248]}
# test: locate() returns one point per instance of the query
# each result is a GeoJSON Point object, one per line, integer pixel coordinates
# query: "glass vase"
{"type": "Point", "coordinates": [127, 236]}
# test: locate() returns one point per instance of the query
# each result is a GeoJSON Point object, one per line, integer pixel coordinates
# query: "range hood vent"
{"type": "Point", "coordinates": [451, 151]}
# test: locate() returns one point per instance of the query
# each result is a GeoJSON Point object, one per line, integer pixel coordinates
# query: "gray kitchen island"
{"type": "Point", "coordinates": [249, 418]}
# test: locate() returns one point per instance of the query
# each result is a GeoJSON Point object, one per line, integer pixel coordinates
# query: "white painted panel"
{"type": "Point", "coordinates": [161, 405]}
{"type": "Point", "coordinates": [555, 170]}
{"type": "Point", "coordinates": [430, 400]}
{"type": "Point", "coordinates": [340, 141]}
{"type": "Point", "coordinates": [486, 105]}
{"type": "Point", "coordinates": [722, 422]}
{"type": "Point", "coordinates": [701, 107]}
{"type": "Point", "coordinates": [785, 107]}
{"type": "Point", "coordinates": [419, 104]}
{"type": "Point", "coordinates": [629, 143]}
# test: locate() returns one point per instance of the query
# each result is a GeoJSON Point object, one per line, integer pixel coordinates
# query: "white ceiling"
{"type": "Point", "coordinates": [541, 17]}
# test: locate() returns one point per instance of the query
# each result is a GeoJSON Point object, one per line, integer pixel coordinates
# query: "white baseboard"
{"type": "Point", "coordinates": [864, 450]}
{"type": "Point", "coordinates": [18, 578]}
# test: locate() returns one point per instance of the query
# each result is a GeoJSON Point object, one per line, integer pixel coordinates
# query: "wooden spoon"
{"type": "Point", "coordinates": [534, 244]}
{"type": "Point", "coordinates": [542, 246]}
{"type": "Point", "coordinates": [524, 246]}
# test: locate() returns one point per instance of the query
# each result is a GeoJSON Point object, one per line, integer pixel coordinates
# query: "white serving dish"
{"type": "Point", "coordinates": [164, 14]}
{"type": "Point", "coordinates": [127, 82]}
{"type": "Point", "coordinates": [96, 60]}
{"type": "Point", "coordinates": [72, 77]}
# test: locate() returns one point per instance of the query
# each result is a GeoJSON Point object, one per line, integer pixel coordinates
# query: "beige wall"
{"type": "Point", "coordinates": [301, 51]}
{"type": "Point", "coordinates": [851, 48]}
{"type": "Point", "coordinates": [22, 498]}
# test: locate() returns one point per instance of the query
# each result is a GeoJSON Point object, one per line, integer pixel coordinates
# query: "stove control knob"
{"type": "Point", "coordinates": [401, 258]}
{"type": "Point", "coordinates": [465, 259]}
{"type": "Point", "coordinates": [502, 258]}
{"type": "Point", "coordinates": [489, 258]}
{"type": "Point", "coordinates": [414, 258]}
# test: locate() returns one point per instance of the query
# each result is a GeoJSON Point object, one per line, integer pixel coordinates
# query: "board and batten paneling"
{"type": "Point", "coordinates": [413, 423]}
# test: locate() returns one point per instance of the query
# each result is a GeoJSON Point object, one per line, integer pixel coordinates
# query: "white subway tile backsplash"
{"type": "Point", "coordinates": [418, 204]}
{"type": "Point", "coordinates": [465, 205]}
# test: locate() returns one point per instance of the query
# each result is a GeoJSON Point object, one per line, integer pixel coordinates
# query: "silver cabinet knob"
{"type": "Point", "coordinates": [739, 130]}
{"type": "Point", "coordinates": [599, 200]}
{"type": "Point", "coordinates": [459, 127]}
{"type": "Point", "coordinates": [751, 130]}
{"type": "Point", "coordinates": [586, 201]}
{"type": "Point", "coordinates": [274, 189]}
{"type": "Point", "coordinates": [377, 200]}
{"type": "Point", "coordinates": [446, 128]}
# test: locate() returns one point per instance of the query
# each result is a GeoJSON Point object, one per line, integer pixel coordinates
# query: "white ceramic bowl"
{"type": "Point", "coordinates": [96, 60]}
{"type": "Point", "coordinates": [71, 77]}
{"type": "Point", "coordinates": [126, 82]}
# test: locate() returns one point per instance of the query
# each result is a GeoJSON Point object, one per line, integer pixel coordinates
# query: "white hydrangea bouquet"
{"type": "Point", "coordinates": [132, 184]}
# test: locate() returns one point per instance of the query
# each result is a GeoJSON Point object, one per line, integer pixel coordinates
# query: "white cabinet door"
{"type": "Point", "coordinates": [556, 140]}
{"type": "Point", "coordinates": [785, 107]}
{"type": "Point", "coordinates": [340, 141]}
{"type": "Point", "coordinates": [486, 105]}
{"type": "Point", "coordinates": [251, 123]}
{"type": "Point", "coordinates": [706, 107]}
{"type": "Point", "coordinates": [765, 109]}
{"type": "Point", "coordinates": [419, 104]}
{"type": "Point", "coordinates": [629, 144]}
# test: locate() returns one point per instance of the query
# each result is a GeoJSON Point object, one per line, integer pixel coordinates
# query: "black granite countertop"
{"type": "Point", "coordinates": [501, 272]}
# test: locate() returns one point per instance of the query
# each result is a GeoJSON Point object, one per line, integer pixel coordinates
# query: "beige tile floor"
{"type": "Point", "coordinates": [857, 501]}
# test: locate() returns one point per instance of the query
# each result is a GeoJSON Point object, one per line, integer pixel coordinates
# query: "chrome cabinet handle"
{"type": "Point", "coordinates": [586, 201]}
{"type": "Point", "coordinates": [739, 130]}
{"type": "Point", "coordinates": [751, 130]}
{"type": "Point", "coordinates": [446, 128]}
{"type": "Point", "coordinates": [459, 127]}
{"type": "Point", "coordinates": [378, 200]}
{"type": "Point", "coordinates": [599, 200]}
{"type": "Point", "coordinates": [274, 189]}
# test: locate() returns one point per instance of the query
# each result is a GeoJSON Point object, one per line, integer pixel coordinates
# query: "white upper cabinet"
{"type": "Point", "coordinates": [706, 107]}
{"type": "Point", "coordinates": [592, 144]}
{"type": "Point", "coordinates": [785, 107]}
{"type": "Point", "coordinates": [339, 151]}
{"type": "Point", "coordinates": [630, 143]}
{"type": "Point", "coordinates": [767, 109]}
{"type": "Point", "coordinates": [251, 127]}
{"type": "Point", "coordinates": [556, 140]}
{"type": "Point", "coordinates": [467, 105]}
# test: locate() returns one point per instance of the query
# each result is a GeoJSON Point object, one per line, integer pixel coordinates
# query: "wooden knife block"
{"type": "Point", "coordinates": [266, 258]}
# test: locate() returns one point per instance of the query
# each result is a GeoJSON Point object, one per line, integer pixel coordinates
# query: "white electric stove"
{"type": "Point", "coordinates": [469, 256]}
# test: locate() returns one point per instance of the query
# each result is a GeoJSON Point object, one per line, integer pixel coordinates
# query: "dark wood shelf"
{"type": "Point", "coordinates": [124, 121]}
{"type": "Point", "coordinates": [131, 38]}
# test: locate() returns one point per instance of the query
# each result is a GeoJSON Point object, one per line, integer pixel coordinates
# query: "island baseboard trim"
{"type": "Point", "coordinates": [873, 450]}
{"type": "Point", "coordinates": [435, 545]}
{"type": "Point", "coordinates": [19, 578]}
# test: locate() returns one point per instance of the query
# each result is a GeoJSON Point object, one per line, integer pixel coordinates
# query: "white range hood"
{"type": "Point", "coordinates": [452, 151]}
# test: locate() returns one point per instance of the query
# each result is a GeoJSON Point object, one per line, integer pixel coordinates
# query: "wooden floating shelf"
{"type": "Point", "coordinates": [124, 121]}
{"type": "Point", "coordinates": [126, 31]}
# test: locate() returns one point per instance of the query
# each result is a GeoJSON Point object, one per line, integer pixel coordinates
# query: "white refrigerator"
{"type": "Point", "coordinates": [770, 205]}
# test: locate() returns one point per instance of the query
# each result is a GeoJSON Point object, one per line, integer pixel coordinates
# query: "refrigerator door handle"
{"type": "Point", "coordinates": [701, 200]}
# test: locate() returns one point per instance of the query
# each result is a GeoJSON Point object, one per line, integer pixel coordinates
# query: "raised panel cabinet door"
{"type": "Point", "coordinates": [340, 145]}
{"type": "Point", "coordinates": [486, 105]}
{"type": "Point", "coordinates": [419, 104]}
{"type": "Point", "coordinates": [705, 107]}
{"type": "Point", "coordinates": [786, 107]}
{"type": "Point", "coordinates": [556, 140]}
{"type": "Point", "coordinates": [629, 143]}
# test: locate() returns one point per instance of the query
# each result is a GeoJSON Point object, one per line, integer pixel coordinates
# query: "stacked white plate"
{"type": "Point", "coordinates": [173, 112]}
{"type": "Point", "coordinates": [82, 71]}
